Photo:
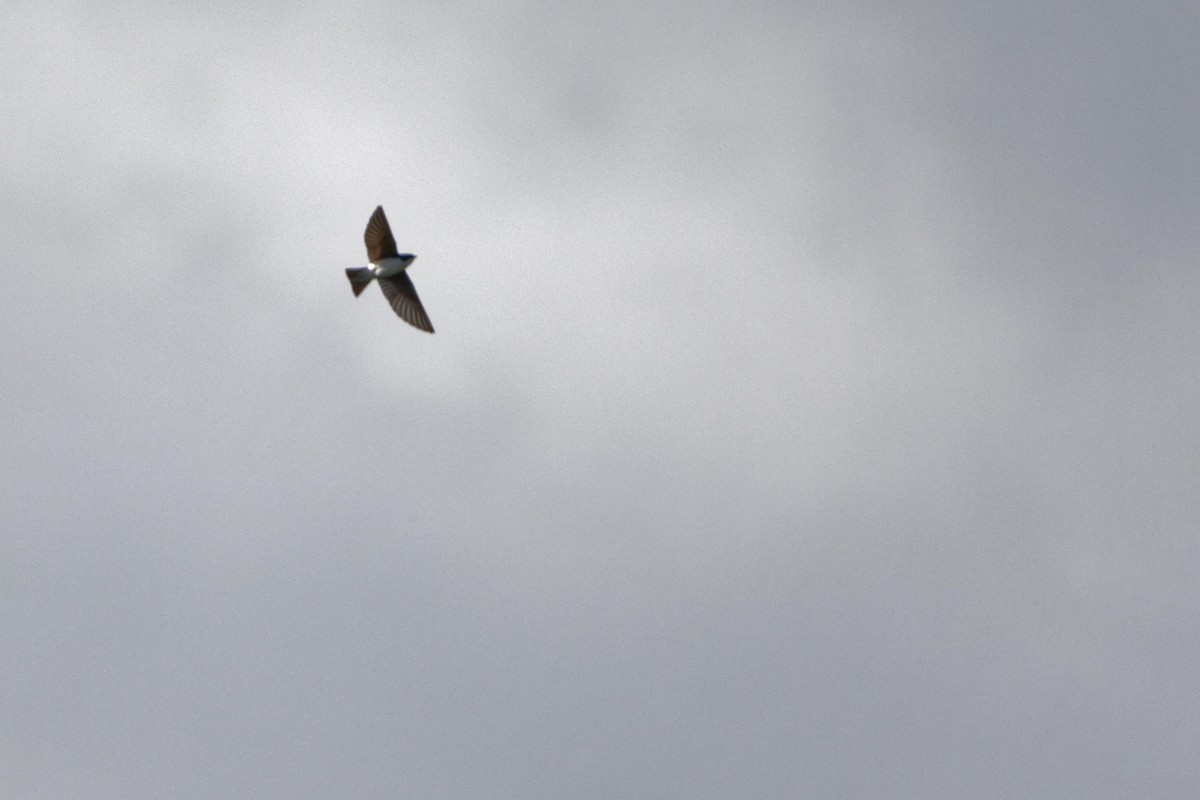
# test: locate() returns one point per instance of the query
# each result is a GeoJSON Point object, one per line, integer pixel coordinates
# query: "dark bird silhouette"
{"type": "Point", "coordinates": [389, 268]}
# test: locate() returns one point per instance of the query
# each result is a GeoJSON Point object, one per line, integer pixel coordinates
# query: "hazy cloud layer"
{"type": "Point", "coordinates": [813, 408]}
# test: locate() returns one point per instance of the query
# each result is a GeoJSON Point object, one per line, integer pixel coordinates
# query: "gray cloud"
{"type": "Point", "coordinates": [812, 409]}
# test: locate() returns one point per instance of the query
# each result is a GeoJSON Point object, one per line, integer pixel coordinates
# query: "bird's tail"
{"type": "Point", "coordinates": [360, 278]}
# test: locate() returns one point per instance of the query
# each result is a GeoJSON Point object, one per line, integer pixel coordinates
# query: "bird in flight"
{"type": "Point", "coordinates": [388, 267]}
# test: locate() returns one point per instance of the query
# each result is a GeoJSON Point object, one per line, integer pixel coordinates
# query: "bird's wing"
{"type": "Point", "coordinates": [378, 237]}
{"type": "Point", "coordinates": [401, 293]}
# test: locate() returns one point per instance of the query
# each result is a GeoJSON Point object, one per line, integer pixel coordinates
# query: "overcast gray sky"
{"type": "Point", "coordinates": [813, 410]}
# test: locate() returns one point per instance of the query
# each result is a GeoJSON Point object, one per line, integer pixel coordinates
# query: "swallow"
{"type": "Point", "coordinates": [388, 267]}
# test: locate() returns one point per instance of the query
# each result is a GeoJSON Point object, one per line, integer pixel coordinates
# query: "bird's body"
{"type": "Point", "coordinates": [387, 266]}
{"type": "Point", "coordinates": [390, 267]}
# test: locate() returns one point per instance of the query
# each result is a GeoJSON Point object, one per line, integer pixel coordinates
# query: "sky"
{"type": "Point", "coordinates": [814, 408]}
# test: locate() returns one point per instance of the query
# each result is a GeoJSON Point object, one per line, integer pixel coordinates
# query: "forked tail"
{"type": "Point", "coordinates": [360, 278]}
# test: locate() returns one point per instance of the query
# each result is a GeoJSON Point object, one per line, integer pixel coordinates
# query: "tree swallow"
{"type": "Point", "coordinates": [388, 267]}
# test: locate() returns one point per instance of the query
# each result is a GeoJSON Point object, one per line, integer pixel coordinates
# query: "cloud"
{"type": "Point", "coordinates": [812, 404]}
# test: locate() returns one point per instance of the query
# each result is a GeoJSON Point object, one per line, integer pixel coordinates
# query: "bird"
{"type": "Point", "coordinates": [388, 267]}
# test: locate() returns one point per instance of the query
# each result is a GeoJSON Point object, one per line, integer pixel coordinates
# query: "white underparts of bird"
{"type": "Point", "coordinates": [388, 267]}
